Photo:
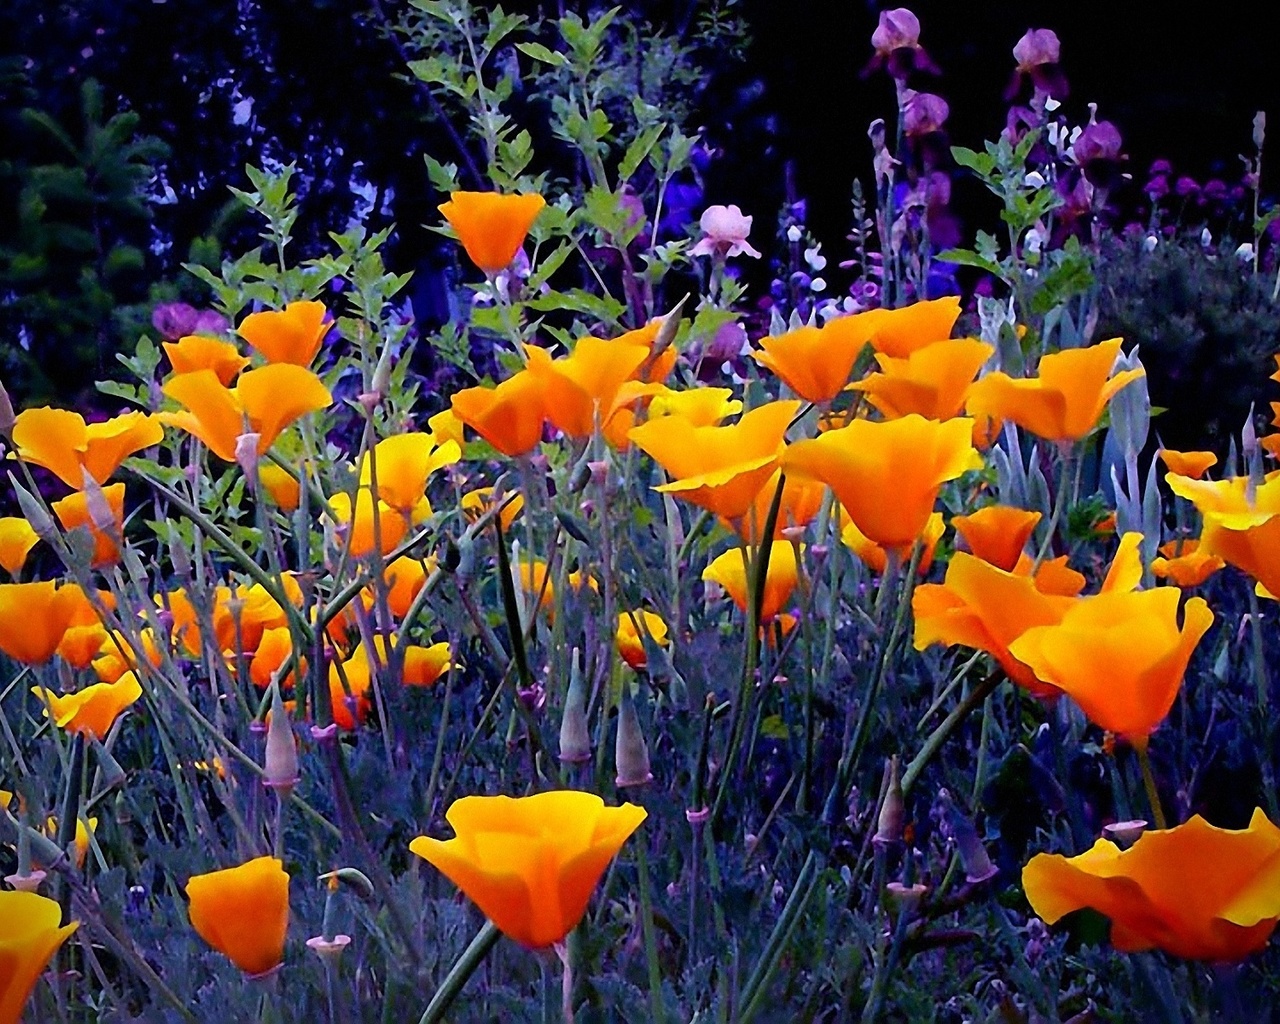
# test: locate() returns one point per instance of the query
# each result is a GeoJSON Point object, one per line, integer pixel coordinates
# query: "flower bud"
{"type": "Point", "coordinates": [7, 417]}
{"type": "Point", "coordinates": [575, 738]}
{"type": "Point", "coordinates": [247, 455]}
{"type": "Point", "coordinates": [281, 762]}
{"type": "Point", "coordinates": [893, 809]}
{"type": "Point", "coordinates": [34, 512]}
{"type": "Point", "coordinates": [973, 855]}
{"type": "Point", "coordinates": [631, 755]}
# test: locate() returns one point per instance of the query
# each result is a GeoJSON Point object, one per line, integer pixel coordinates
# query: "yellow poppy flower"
{"type": "Point", "coordinates": [358, 523]}
{"type": "Point", "coordinates": [1185, 563]}
{"type": "Point", "coordinates": [531, 863]}
{"type": "Point", "coordinates": [243, 912]}
{"type": "Point", "coordinates": [1195, 891]}
{"type": "Point", "coordinates": [814, 362]}
{"type": "Point", "coordinates": [491, 226]}
{"type": "Point", "coordinates": [73, 512]}
{"type": "Point", "coordinates": [30, 933]}
{"type": "Point", "coordinates": [1066, 400]}
{"type": "Point", "coordinates": [17, 538]}
{"type": "Point", "coordinates": [933, 381]}
{"type": "Point", "coordinates": [899, 332]}
{"type": "Point", "coordinates": [721, 469]}
{"type": "Point", "coordinates": [1242, 532]}
{"type": "Point", "coordinates": [630, 638]}
{"type": "Point", "coordinates": [92, 710]}
{"type": "Point", "coordinates": [263, 402]}
{"type": "Point", "coordinates": [289, 335]}
{"type": "Point", "coordinates": [62, 443]}
{"type": "Point", "coordinates": [887, 475]}
{"type": "Point", "coordinates": [875, 557]}
{"type": "Point", "coordinates": [404, 463]}
{"type": "Point", "coordinates": [281, 485]}
{"type": "Point", "coordinates": [729, 570]}
{"type": "Point", "coordinates": [196, 352]}
{"type": "Point", "coordinates": [579, 389]}
{"type": "Point", "coordinates": [1190, 464]}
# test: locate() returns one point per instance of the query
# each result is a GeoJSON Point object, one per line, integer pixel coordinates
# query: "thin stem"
{"type": "Point", "coordinates": [1149, 783]}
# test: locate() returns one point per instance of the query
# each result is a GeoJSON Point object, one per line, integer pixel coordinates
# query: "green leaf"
{"type": "Point", "coordinates": [966, 258]}
{"type": "Point", "coordinates": [981, 164]}
{"type": "Point", "coordinates": [539, 52]}
{"type": "Point", "coordinates": [638, 150]}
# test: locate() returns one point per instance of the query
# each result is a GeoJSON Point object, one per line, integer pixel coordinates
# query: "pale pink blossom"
{"type": "Point", "coordinates": [724, 233]}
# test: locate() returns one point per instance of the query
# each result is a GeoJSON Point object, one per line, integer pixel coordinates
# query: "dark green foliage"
{"type": "Point", "coordinates": [1207, 327]}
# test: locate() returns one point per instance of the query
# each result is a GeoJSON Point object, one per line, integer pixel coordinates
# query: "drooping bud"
{"type": "Point", "coordinates": [281, 761]}
{"type": "Point", "coordinates": [973, 855]}
{"type": "Point", "coordinates": [575, 734]}
{"type": "Point", "coordinates": [631, 755]}
{"type": "Point", "coordinates": [247, 455]}
{"type": "Point", "coordinates": [893, 809]}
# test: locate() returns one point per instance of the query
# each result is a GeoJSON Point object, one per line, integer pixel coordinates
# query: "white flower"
{"type": "Point", "coordinates": [1206, 238]}
{"type": "Point", "coordinates": [1149, 243]}
{"type": "Point", "coordinates": [794, 234]}
{"type": "Point", "coordinates": [724, 231]}
{"type": "Point", "coordinates": [1245, 253]}
{"type": "Point", "coordinates": [1034, 180]}
{"type": "Point", "coordinates": [817, 285]}
{"type": "Point", "coordinates": [814, 258]}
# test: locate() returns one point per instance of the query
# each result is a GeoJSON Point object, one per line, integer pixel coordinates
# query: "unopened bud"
{"type": "Point", "coordinates": [973, 855]}
{"type": "Point", "coordinates": [100, 512]}
{"type": "Point", "coordinates": [893, 809]}
{"type": "Point", "coordinates": [1259, 128]}
{"type": "Point", "coordinates": [34, 512]}
{"type": "Point", "coordinates": [180, 557]}
{"type": "Point", "coordinates": [281, 762]}
{"type": "Point", "coordinates": [381, 382]}
{"type": "Point", "coordinates": [247, 455]}
{"type": "Point", "coordinates": [575, 734]}
{"type": "Point", "coordinates": [580, 477]}
{"type": "Point", "coordinates": [7, 418]}
{"type": "Point", "coordinates": [631, 755]}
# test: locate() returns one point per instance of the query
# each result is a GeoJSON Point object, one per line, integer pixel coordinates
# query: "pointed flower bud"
{"type": "Point", "coordinates": [247, 454]}
{"type": "Point", "coordinates": [973, 855]}
{"type": "Point", "coordinates": [893, 809]}
{"type": "Point", "coordinates": [281, 762]}
{"type": "Point", "coordinates": [575, 735]}
{"type": "Point", "coordinates": [631, 755]}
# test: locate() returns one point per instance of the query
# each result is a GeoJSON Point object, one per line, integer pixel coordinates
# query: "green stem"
{"type": "Point", "coordinates": [465, 966]}
{"type": "Point", "coordinates": [1149, 783]}
{"type": "Point", "coordinates": [948, 725]}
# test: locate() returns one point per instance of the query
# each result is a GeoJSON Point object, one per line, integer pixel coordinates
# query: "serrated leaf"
{"type": "Point", "coordinates": [638, 150]}
{"type": "Point", "coordinates": [539, 52]}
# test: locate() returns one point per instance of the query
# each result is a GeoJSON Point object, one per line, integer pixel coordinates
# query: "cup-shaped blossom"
{"type": "Point", "coordinates": [876, 558]}
{"type": "Point", "coordinates": [289, 335]}
{"type": "Point", "coordinates": [404, 463]}
{"type": "Point", "coordinates": [17, 538]}
{"type": "Point", "coordinates": [30, 933]}
{"type": "Point", "coordinates": [491, 226]}
{"type": "Point", "coordinates": [1185, 563]}
{"type": "Point", "coordinates": [899, 332]}
{"type": "Point", "coordinates": [924, 113]}
{"type": "Point", "coordinates": [579, 389]}
{"type": "Point", "coordinates": [61, 442]}
{"type": "Point", "coordinates": [932, 381]}
{"type": "Point", "coordinates": [404, 578]}
{"type": "Point", "coordinates": [633, 627]}
{"type": "Point", "coordinates": [986, 608]}
{"type": "Point", "coordinates": [34, 617]}
{"type": "Point", "coordinates": [997, 533]}
{"type": "Point", "coordinates": [815, 362]}
{"type": "Point", "coordinates": [729, 570]}
{"type": "Point", "coordinates": [1195, 891]}
{"type": "Point", "coordinates": [243, 912]}
{"type": "Point", "coordinates": [1063, 403]}
{"type": "Point", "coordinates": [724, 233]}
{"type": "Point", "coordinates": [198, 352]}
{"type": "Point", "coordinates": [364, 529]}
{"type": "Point", "coordinates": [1189, 464]}
{"type": "Point", "coordinates": [531, 863]}
{"type": "Point", "coordinates": [509, 416]}
{"type": "Point", "coordinates": [1241, 529]}
{"type": "Point", "coordinates": [1120, 656]}
{"type": "Point", "coordinates": [263, 402]}
{"type": "Point", "coordinates": [92, 710]}
{"type": "Point", "coordinates": [887, 475]}
{"type": "Point", "coordinates": [721, 469]}
{"type": "Point", "coordinates": [1039, 55]}
{"type": "Point", "coordinates": [75, 511]}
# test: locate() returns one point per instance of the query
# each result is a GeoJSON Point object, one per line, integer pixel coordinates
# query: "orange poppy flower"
{"type": "Point", "coordinates": [243, 912]}
{"type": "Point", "coordinates": [281, 485]}
{"type": "Point", "coordinates": [509, 416]}
{"type": "Point", "coordinates": [423, 666]}
{"type": "Point", "coordinates": [801, 500]}
{"type": "Point", "coordinates": [887, 475]}
{"type": "Point", "coordinates": [531, 863]}
{"type": "Point", "coordinates": [491, 226]}
{"type": "Point", "coordinates": [933, 381]}
{"type": "Point", "coordinates": [579, 389]}
{"type": "Point", "coordinates": [80, 645]}
{"type": "Point", "coordinates": [729, 570]}
{"type": "Point", "coordinates": [289, 335]}
{"type": "Point", "coordinates": [1065, 402]}
{"type": "Point", "coordinates": [815, 362]}
{"type": "Point", "coordinates": [630, 639]}
{"type": "Point", "coordinates": [700, 407]}
{"type": "Point", "coordinates": [30, 933]}
{"type": "Point", "coordinates": [116, 655]}
{"type": "Point", "coordinates": [475, 503]}
{"type": "Point", "coordinates": [92, 710]}
{"type": "Point", "coordinates": [1242, 532]}
{"type": "Point", "coordinates": [62, 443]}
{"type": "Point", "coordinates": [73, 512]}
{"type": "Point", "coordinates": [1120, 656]}
{"type": "Point", "coordinates": [404, 578]}
{"type": "Point", "coordinates": [1195, 891]}
{"type": "Point", "coordinates": [196, 352]}
{"type": "Point", "coordinates": [33, 619]}
{"type": "Point", "coordinates": [899, 332]}
{"type": "Point", "coordinates": [1192, 464]}
{"type": "Point", "coordinates": [80, 841]}
{"type": "Point", "coordinates": [1184, 563]}
{"type": "Point", "coordinates": [986, 608]}
{"type": "Point", "coordinates": [718, 468]}
{"type": "Point", "coordinates": [874, 556]}
{"type": "Point", "coordinates": [357, 524]}
{"type": "Point", "coordinates": [997, 533]}
{"type": "Point", "coordinates": [263, 402]}
{"type": "Point", "coordinates": [17, 538]}
{"type": "Point", "coordinates": [274, 649]}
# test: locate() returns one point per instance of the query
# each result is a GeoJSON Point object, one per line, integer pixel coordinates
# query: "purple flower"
{"type": "Point", "coordinates": [724, 233]}
{"type": "Point", "coordinates": [1215, 190]}
{"type": "Point", "coordinates": [924, 113]}
{"type": "Point", "coordinates": [1038, 54]}
{"type": "Point", "coordinates": [210, 321]}
{"type": "Point", "coordinates": [1186, 186]}
{"type": "Point", "coordinates": [897, 45]}
{"type": "Point", "coordinates": [1157, 188]}
{"type": "Point", "coordinates": [1161, 167]}
{"type": "Point", "coordinates": [174, 320]}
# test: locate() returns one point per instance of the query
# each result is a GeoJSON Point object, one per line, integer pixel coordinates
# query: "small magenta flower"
{"type": "Point", "coordinates": [1038, 54]}
{"type": "Point", "coordinates": [924, 113]}
{"type": "Point", "coordinates": [897, 45]}
{"type": "Point", "coordinates": [1098, 151]}
{"type": "Point", "coordinates": [724, 233]}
